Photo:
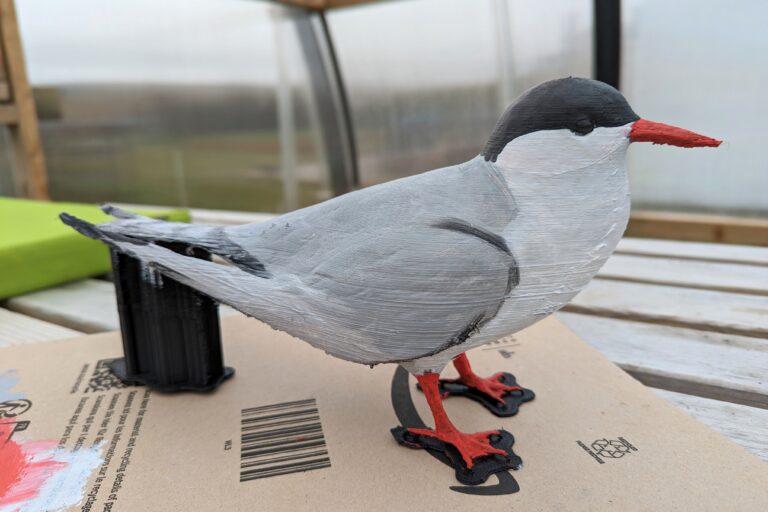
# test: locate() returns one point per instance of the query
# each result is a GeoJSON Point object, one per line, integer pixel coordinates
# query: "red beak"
{"type": "Point", "coordinates": [660, 133]}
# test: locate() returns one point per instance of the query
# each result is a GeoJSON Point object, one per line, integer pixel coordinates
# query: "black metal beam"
{"type": "Point", "coordinates": [607, 41]}
{"type": "Point", "coordinates": [331, 98]}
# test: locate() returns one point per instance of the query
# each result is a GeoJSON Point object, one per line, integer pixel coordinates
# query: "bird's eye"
{"type": "Point", "coordinates": [583, 126]}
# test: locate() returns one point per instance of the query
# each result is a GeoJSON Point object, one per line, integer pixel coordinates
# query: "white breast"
{"type": "Point", "coordinates": [572, 197]}
{"type": "Point", "coordinates": [573, 210]}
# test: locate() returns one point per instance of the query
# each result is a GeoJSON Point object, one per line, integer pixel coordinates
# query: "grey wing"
{"type": "Point", "coordinates": [389, 273]}
{"type": "Point", "coordinates": [297, 242]}
{"type": "Point", "coordinates": [404, 294]}
{"type": "Point", "coordinates": [405, 269]}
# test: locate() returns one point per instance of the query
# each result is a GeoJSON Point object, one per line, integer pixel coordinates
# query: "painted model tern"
{"type": "Point", "coordinates": [419, 270]}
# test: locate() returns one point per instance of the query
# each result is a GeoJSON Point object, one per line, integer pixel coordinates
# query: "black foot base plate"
{"type": "Point", "coordinates": [512, 400]}
{"type": "Point", "coordinates": [118, 368]}
{"type": "Point", "coordinates": [482, 468]}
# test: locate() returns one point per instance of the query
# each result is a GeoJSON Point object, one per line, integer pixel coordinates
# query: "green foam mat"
{"type": "Point", "coordinates": [38, 251]}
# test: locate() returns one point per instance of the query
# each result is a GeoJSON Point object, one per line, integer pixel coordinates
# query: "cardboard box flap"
{"type": "Point", "coordinates": [296, 429]}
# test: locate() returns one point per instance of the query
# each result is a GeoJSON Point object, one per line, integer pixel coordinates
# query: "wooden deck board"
{"type": "Point", "coordinates": [746, 426]}
{"type": "Point", "coordinates": [698, 227]}
{"type": "Point", "coordinates": [725, 277]}
{"type": "Point", "coordinates": [16, 329]}
{"type": "Point", "coordinates": [88, 306]}
{"type": "Point", "coordinates": [224, 218]}
{"type": "Point", "coordinates": [696, 251]}
{"type": "Point", "coordinates": [727, 313]}
{"type": "Point", "coordinates": [734, 368]}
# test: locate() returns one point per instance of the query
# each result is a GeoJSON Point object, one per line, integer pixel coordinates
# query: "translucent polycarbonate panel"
{"type": "Point", "coordinates": [548, 39]}
{"type": "Point", "coordinates": [7, 182]}
{"type": "Point", "coordinates": [179, 102]}
{"type": "Point", "coordinates": [427, 79]}
{"type": "Point", "coordinates": [701, 66]}
{"type": "Point", "coordinates": [421, 77]}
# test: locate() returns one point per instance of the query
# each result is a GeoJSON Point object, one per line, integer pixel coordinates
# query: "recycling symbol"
{"type": "Point", "coordinates": [610, 448]}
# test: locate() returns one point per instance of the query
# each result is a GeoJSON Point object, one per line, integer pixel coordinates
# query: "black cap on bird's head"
{"type": "Point", "coordinates": [581, 105]}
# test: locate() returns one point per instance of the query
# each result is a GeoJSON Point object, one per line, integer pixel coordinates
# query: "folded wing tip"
{"type": "Point", "coordinates": [118, 213]}
{"type": "Point", "coordinates": [79, 225]}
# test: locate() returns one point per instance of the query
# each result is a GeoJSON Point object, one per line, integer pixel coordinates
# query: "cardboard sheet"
{"type": "Point", "coordinates": [298, 430]}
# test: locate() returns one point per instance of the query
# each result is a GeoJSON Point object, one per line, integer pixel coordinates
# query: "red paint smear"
{"type": "Point", "coordinates": [660, 133]}
{"type": "Point", "coordinates": [24, 467]}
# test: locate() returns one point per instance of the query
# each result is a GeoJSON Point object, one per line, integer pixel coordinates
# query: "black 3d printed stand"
{"type": "Point", "coordinates": [512, 399]}
{"type": "Point", "coordinates": [171, 336]}
{"type": "Point", "coordinates": [449, 455]}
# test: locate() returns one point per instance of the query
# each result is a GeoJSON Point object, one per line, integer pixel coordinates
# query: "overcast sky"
{"type": "Point", "coordinates": [147, 41]}
{"type": "Point", "coordinates": [233, 41]}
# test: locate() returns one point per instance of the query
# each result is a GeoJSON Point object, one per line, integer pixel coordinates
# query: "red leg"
{"type": "Point", "coordinates": [488, 385]}
{"type": "Point", "coordinates": [470, 446]}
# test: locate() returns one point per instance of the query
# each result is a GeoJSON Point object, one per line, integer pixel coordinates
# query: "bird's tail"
{"type": "Point", "coordinates": [154, 230]}
{"type": "Point", "coordinates": [214, 239]}
{"type": "Point", "coordinates": [90, 230]}
{"type": "Point", "coordinates": [224, 283]}
{"type": "Point", "coordinates": [280, 301]}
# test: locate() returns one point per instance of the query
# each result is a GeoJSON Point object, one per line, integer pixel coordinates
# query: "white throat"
{"type": "Point", "coordinates": [572, 202]}
{"type": "Point", "coordinates": [572, 198]}
{"type": "Point", "coordinates": [552, 152]}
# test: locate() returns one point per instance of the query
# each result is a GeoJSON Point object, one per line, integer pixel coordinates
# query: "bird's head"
{"type": "Point", "coordinates": [572, 123]}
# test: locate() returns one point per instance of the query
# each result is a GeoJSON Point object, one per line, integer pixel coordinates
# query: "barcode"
{"type": "Point", "coordinates": [280, 439]}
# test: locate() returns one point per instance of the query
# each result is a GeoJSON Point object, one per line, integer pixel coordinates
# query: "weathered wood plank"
{"type": "Point", "coordinates": [223, 217]}
{"type": "Point", "coordinates": [698, 227]}
{"type": "Point", "coordinates": [714, 392]}
{"type": "Point", "coordinates": [324, 4]}
{"type": "Point", "coordinates": [206, 216]}
{"type": "Point", "coordinates": [88, 306]}
{"type": "Point", "coordinates": [726, 367]}
{"type": "Point", "coordinates": [727, 313]}
{"type": "Point", "coordinates": [746, 426]}
{"type": "Point", "coordinates": [9, 114]}
{"type": "Point", "coordinates": [24, 132]}
{"type": "Point", "coordinates": [697, 251]}
{"type": "Point", "coordinates": [16, 329]}
{"type": "Point", "coordinates": [725, 277]}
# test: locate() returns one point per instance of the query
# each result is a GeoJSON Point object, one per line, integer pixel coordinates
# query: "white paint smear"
{"type": "Point", "coordinates": [65, 487]}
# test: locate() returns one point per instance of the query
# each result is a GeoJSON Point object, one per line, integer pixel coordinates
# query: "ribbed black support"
{"type": "Point", "coordinates": [171, 336]}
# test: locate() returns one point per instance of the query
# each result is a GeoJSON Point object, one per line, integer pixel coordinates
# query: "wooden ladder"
{"type": "Point", "coordinates": [17, 110]}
